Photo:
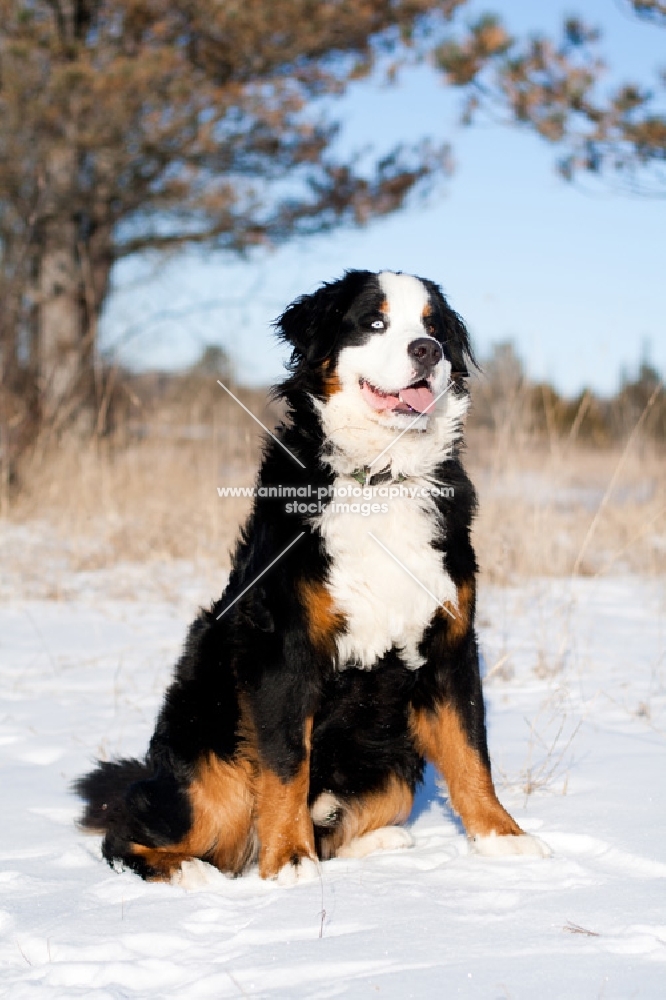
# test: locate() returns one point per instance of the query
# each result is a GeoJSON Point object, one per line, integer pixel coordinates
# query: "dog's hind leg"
{"type": "Point", "coordinates": [221, 800]}
{"type": "Point", "coordinates": [356, 827]}
{"type": "Point", "coordinates": [384, 838]}
{"type": "Point", "coordinates": [158, 822]}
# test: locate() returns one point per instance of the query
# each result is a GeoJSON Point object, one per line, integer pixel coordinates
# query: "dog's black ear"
{"type": "Point", "coordinates": [452, 332]}
{"type": "Point", "coordinates": [312, 323]}
{"type": "Point", "coordinates": [457, 346]}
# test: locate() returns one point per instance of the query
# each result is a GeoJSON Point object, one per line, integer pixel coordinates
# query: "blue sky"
{"type": "Point", "coordinates": [575, 276]}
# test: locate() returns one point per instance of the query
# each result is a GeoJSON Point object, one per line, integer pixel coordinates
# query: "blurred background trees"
{"type": "Point", "coordinates": [135, 125]}
{"type": "Point", "coordinates": [129, 126]}
{"type": "Point", "coordinates": [551, 85]}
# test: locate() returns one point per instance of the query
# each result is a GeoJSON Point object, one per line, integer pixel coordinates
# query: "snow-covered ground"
{"type": "Point", "coordinates": [576, 692]}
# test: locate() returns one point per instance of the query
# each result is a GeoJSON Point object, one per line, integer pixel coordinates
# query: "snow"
{"type": "Point", "coordinates": [576, 693]}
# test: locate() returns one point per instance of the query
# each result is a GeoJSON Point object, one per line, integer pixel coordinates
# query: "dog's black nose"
{"type": "Point", "coordinates": [425, 353]}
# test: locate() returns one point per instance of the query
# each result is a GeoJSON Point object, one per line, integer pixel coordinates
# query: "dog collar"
{"type": "Point", "coordinates": [365, 478]}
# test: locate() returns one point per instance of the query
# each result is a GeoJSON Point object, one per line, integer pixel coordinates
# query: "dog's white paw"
{"type": "Point", "coordinates": [325, 809]}
{"type": "Point", "coordinates": [524, 845]}
{"type": "Point", "coordinates": [305, 870]}
{"type": "Point", "coordinates": [196, 874]}
{"type": "Point", "coordinates": [386, 838]}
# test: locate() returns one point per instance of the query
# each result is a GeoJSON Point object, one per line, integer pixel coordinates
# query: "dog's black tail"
{"type": "Point", "coordinates": [105, 787]}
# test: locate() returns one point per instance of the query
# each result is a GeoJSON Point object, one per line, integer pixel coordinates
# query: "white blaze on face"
{"type": "Point", "coordinates": [406, 302]}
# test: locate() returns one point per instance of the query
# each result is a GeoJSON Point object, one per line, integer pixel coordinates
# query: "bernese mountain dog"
{"type": "Point", "coordinates": [342, 654]}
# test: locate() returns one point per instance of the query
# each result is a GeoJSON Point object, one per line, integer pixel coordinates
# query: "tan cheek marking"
{"type": "Point", "coordinates": [284, 826]}
{"type": "Point", "coordinates": [441, 738]}
{"type": "Point", "coordinates": [387, 807]}
{"type": "Point", "coordinates": [323, 621]}
{"type": "Point", "coordinates": [331, 383]}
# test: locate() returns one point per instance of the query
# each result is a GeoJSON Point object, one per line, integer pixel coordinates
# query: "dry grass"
{"type": "Point", "coordinates": [546, 506]}
{"type": "Point", "coordinates": [148, 496]}
{"type": "Point", "coordinates": [554, 510]}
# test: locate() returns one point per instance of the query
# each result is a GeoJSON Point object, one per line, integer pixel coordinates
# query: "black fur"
{"type": "Point", "coordinates": [253, 654]}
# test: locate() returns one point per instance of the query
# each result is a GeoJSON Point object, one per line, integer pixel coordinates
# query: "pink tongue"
{"type": "Point", "coordinates": [420, 399]}
{"type": "Point", "coordinates": [377, 401]}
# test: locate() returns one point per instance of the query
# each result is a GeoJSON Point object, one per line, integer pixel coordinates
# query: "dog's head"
{"type": "Point", "coordinates": [385, 345]}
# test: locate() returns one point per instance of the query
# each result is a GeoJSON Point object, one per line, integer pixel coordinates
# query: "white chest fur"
{"type": "Point", "coordinates": [385, 576]}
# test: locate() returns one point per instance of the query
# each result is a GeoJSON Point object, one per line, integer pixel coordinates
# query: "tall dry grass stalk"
{"type": "Point", "coordinates": [548, 505]}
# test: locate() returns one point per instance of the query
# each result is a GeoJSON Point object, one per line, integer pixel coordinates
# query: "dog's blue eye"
{"type": "Point", "coordinates": [377, 324]}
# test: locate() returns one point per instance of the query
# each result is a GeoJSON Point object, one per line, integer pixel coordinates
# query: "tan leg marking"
{"type": "Point", "coordinates": [441, 738]}
{"type": "Point", "coordinates": [284, 825]}
{"type": "Point", "coordinates": [221, 797]}
{"type": "Point", "coordinates": [388, 807]}
{"type": "Point", "coordinates": [323, 621]}
{"type": "Point", "coordinates": [458, 626]}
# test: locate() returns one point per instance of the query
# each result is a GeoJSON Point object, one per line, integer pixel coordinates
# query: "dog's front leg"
{"type": "Point", "coordinates": [445, 738]}
{"type": "Point", "coordinates": [278, 711]}
{"type": "Point", "coordinates": [284, 826]}
{"type": "Point", "coordinates": [447, 720]}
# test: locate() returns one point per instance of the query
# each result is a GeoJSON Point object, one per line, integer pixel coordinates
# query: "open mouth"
{"type": "Point", "coordinates": [416, 398]}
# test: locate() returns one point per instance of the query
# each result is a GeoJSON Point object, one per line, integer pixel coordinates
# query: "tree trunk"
{"type": "Point", "coordinates": [65, 338]}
